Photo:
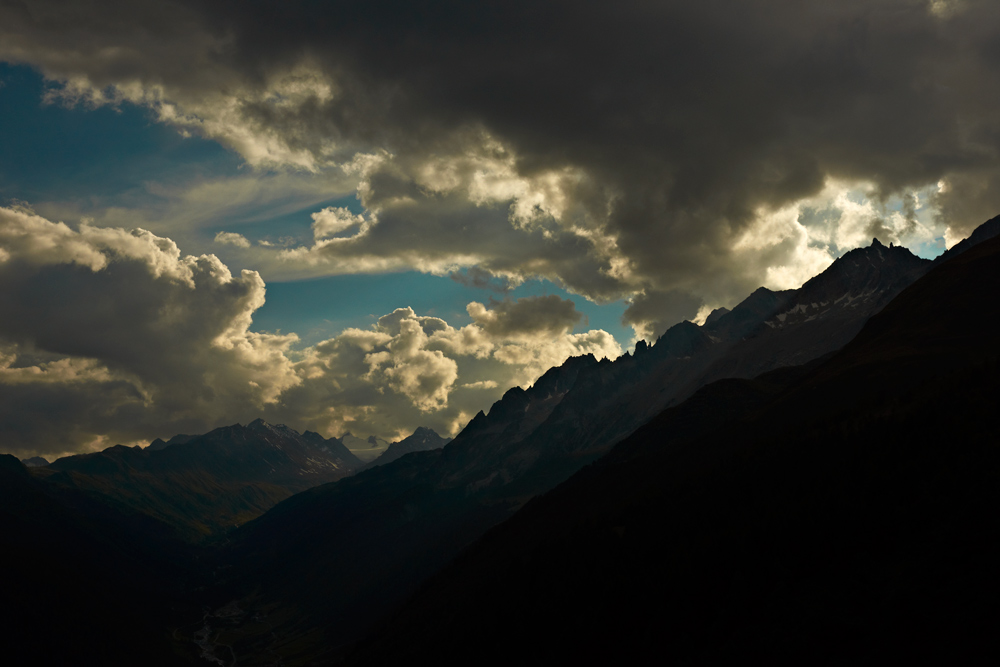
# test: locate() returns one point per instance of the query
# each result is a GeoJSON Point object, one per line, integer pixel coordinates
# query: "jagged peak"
{"type": "Point", "coordinates": [876, 243]}
{"type": "Point", "coordinates": [516, 390]}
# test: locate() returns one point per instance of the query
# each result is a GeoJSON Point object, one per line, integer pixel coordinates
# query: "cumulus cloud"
{"type": "Point", "coordinates": [112, 335]}
{"type": "Point", "coordinates": [639, 152]}
{"type": "Point", "coordinates": [415, 369]}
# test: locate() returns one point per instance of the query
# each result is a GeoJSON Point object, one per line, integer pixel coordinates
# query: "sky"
{"type": "Point", "coordinates": [373, 216]}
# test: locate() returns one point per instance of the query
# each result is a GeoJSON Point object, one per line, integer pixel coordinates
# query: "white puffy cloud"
{"type": "Point", "coordinates": [111, 335]}
{"type": "Point", "coordinates": [411, 369]}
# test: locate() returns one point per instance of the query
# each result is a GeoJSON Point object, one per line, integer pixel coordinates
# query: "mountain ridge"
{"type": "Point", "coordinates": [835, 513]}
{"type": "Point", "coordinates": [206, 484]}
{"type": "Point", "coordinates": [533, 439]}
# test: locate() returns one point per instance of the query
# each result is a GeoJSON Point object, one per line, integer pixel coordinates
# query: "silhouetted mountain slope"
{"type": "Point", "coordinates": [374, 537]}
{"type": "Point", "coordinates": [210, 482]}
{"type": "Point", "coordinates": [821, 316]}
{"type": "Point", "coordinates": [421, 440]}
{"type": "Point", "coordinates": [844, 513]}
{"type": "Point", "coordinates": [984, 232]}
{"type": "Point", "coordinates": [178, 439]}
{"type": "Point", "coordinates": [84, 584]}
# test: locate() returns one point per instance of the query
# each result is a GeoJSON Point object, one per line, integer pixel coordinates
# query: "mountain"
{"type": "Point", "coordinates": [366, 449]}
{"type": "Point", "coordinates": [984, 232]}
{"type": "Point", "coordinates": [421, 440]}
{"type": "Point", "coordinates": [793, 327]}
{"type": "Point", "coordinates": [35, 462]}
{"type": "Point", "coordinates": [838, 513]}
{"type": "Point", "coordinates": [179, 439]}
{"type": "Point", "coordinates": [748, 517]}
{"type": "Point", "coordinates": [371, 539]}
{"type": "Point", "coordinates": [205, 484]}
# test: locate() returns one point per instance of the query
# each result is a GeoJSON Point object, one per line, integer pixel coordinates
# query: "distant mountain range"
{"type": "Point", "coordinates": [792, 474]}
{"type": "Point", "coordinates": [203, 484]}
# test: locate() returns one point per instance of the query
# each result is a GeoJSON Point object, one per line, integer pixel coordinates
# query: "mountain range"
{"type": "Point", "coordinates": [842, 512]}
{"type": "Point", "coordinates": [778, 482]}
{"type": "Point", "coordinates": [405, 520]}
{"type": "Point", "coordinates": [201, 485]}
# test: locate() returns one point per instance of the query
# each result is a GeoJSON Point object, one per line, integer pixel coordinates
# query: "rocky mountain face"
{"type": "Point", "coordinates": [793, 327]}
{"type": "Point", "coordinates": [406, 519]}
{"type": "Point", "coordinates": [421, 440]}
{"type": "Point", "coordinates": [207, 483]}
{"type": "Point", "coordinates": [837, 513]}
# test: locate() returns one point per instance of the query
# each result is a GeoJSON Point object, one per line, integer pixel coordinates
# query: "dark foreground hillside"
{"type": "Point", "coordinates": [846, 514]}
{"type": "Point", "coordinates": [83, 584]}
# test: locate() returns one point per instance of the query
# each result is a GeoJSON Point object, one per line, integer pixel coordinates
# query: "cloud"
{"type": "Point", "coordinates": [411, 369]}
{"type": "Point", "coordinates": [232, 238]}
{"type": "Point", "coordinates": [331, 221]}
{"type": "Point", "coordinates": [622, 154]}
{"type": "Point", "coordinates": [482, 279]}
{"type": "Point", "coordinates": [526, 318]}
{"type": "Point", "coordinates": [111, 335]}
{"type": "Point", "coordinates": [112, 330]}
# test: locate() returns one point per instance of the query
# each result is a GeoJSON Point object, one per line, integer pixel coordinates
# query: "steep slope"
{"type": "Point", "coordinates": [984, 232]}
{"type": "Point", "coordinates": [819, 317]}
{"type": "Point", "coordinates": [839, 514]}
{"type": "Point", "coordinates": [421, 440]}
{"type": "Point", "coordinates": [371, 539]}
{"type": "Point", "coordinates": [212, 482]}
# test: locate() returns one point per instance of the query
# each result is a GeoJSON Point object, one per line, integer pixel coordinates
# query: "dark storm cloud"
{"type": "Point", "coordinates": [529, 316]}
{"type": "Point", "coordinates": [477, 277]}
{"type": "Point", "coordinates": [680, 121]}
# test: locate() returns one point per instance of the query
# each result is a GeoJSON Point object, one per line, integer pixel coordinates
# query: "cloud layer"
{"type": "Point", "coordinates": [623, 152]}
{"type": "Point", "coordinates": [111, 335]}
{"type": "Point", "coordinates": [674, 154]}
